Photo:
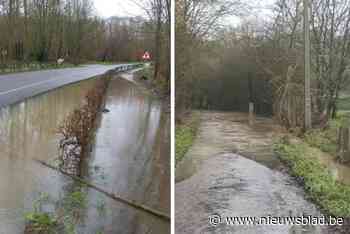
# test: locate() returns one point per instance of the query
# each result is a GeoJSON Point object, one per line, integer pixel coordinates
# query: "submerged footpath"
{"type": "Point", "coordinates": [232, 170]}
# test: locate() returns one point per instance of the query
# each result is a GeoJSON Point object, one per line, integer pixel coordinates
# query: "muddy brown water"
{"type": "Point", "coordinates": [229, 132]}
{"type": "Point", "coordinates": [130, 157]}
{"type": "Point", "coordinates": [231, 170]}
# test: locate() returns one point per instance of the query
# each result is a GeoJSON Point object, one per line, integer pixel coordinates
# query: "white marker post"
{"type": "Point", "coordinates": [251, 113]}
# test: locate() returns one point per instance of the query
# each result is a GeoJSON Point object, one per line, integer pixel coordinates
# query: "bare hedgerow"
{"type": "Point", "coordinates": [77, 129]}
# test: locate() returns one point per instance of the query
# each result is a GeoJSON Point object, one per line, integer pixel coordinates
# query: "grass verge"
{"type": "Point", "coordinates": [185, 134]}
{"type": "Point", "coordinates": [35, 67]}
{"type": "Point", "coordinates": [332, 196]}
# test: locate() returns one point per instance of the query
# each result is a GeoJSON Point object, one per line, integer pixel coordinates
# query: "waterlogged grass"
{"type": "Point", "coordinates": [39, 221]}
{"type": "Point", "coordinates": [332, 196]}
{"type": "Point", "coordinates": [76, 199]}
{"type": "Point", "coordinates": [184, 135]}
{"type": "Point", "coordinates": [64, 219]}
{"type": "Point", "coordinates": [101, 207]}
{"type": "Point", "coordinates": [326, 139]}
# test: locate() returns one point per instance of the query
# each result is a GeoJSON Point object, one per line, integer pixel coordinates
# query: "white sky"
{"type": "Point", "coordinates": [108, 8]}
{"type": "Point", "coordinates": [261, 9]}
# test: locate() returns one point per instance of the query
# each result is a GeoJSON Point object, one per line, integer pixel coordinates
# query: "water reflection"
{"type": "Point", "coordinates": [27, 131]}
{"type": "Point", "coordinates": [131, 157]}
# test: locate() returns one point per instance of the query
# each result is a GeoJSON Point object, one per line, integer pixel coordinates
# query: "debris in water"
{"type": "Point", "coordinates": [105, 110]}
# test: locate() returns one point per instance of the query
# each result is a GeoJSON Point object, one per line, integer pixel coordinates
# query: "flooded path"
{"type": "Point", "coordinates": [130, 157]}
{"type": "Point", "coordinates": [231, 170]}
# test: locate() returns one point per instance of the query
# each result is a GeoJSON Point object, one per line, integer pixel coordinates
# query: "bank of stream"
{"type": "Point", "coordinates": [130, 156]}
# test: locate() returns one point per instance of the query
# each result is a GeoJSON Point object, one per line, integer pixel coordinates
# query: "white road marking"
{"type": "Point", "coordinates": [26, 86]}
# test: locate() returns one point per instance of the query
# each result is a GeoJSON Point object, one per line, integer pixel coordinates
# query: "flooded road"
{"type": "Point", "coordinates": [130, 157]}
{"type": "Point", "coordinates": [231, 170]}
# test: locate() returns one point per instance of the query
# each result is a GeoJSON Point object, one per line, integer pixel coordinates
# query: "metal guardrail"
{"type": "Point", "coordinates": [127, 67]}
{"type": "Point", "coordinates": [18, 67]}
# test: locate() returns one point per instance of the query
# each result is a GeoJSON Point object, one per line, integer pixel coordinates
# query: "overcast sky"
{"type": "Point", "coordinates": [261, 9]}
{"type": "Point", "coordinates": [108, 8]}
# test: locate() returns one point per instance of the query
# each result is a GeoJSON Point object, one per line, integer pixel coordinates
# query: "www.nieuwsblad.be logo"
{"type": "Point", "coordinates": [216, 219]}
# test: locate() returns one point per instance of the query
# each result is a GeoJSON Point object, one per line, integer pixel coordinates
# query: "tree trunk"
{"type": "Point", "coordinates": [307, 66]}
{"type": "Point", "coordinates": [158, 45]}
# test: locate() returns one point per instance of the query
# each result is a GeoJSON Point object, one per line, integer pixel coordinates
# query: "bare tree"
{"type": "Point", "coordinates": [196, 21]}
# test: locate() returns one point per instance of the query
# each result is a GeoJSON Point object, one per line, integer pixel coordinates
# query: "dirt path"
{"type": "Point", "coordinates": [217, 176]}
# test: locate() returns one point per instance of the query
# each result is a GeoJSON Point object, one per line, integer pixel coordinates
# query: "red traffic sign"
{"type": "Point", "coordinates": [146, 56]}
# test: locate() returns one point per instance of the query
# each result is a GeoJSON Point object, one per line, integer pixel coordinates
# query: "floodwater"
{"type": "Point", "coordinates": [132, 154]}
{"type": "Point", "coordinates": [231, 171]}
{"type": "Point", "coordinates": [28, 131]}
{"type": "Point", "coordinates": [229, 132]}
{"type": "Point", "coordinates": [130, 157]}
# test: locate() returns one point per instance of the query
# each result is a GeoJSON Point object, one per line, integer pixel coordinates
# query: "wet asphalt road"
{"type": "Point", "coordinates": [18, 86]}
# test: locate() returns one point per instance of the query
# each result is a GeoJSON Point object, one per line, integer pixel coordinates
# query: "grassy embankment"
{"type": "Point", "coordinates": [159, 86]}
{"type": "Point", "coordinates": [185, 134]}
{"type": "Point", "coordinates": [301, 157]}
